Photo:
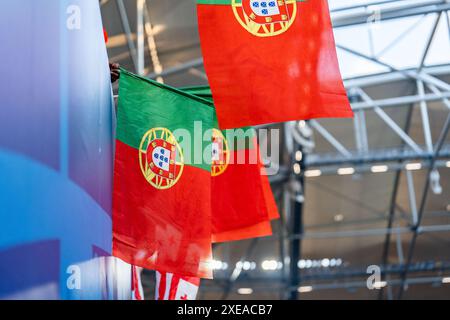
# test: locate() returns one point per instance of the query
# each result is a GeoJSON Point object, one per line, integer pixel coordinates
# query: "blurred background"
{"type": "Point", "coordinates": [369, 192]}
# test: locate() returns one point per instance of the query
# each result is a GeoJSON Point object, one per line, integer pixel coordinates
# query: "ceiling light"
{"type": "Point", "coordinates": [308, 264]}
{"type": "Point", "coordinates": [269, 265]}
{"type": "Point", "coordinates": [305, 289]}
{"type": "Point", "coordinates": [301, 264]}
{"type": "Point", "coordinates": [245, 291]}
{"type": "Point", "coordinates": [246, 265]}
{"type": "Point", "coordinates": [325, 263]}
{"type": "Point", "coordinates": [379, 169]}
{"type": "Point", "coordinates": [313, 173]}
{"type": "Point", "coordinates": [413, 166]}
{"type": "Point", "coordinates": [217, 265]}
{"type": "Point", "coordinates": [345, 171]}
{"type": "Point", "coordinates": [338, 217]}
{"type": "Point", "coordinates": [332, 262]}
{"type": "Point", "coordinates": [379, 284]}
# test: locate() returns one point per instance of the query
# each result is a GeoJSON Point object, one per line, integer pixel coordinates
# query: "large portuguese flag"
{"type": "Point", "coordinates": [162, 189]}
{"type": "Point", "coordinates": [242, 201]}
{"type": "Point", "coordinates": [271, 61]}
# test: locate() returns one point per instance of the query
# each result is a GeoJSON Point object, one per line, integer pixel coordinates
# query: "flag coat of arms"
{"type": "Point", "coordinates": [162, 200]}
{"type": "Point", "coordinates": [271, 61]}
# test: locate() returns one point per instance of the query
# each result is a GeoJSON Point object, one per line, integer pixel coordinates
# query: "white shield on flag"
{"type": "Point", "coordinates": [265, 8]}
{"type": "Point", "coordinates": [161, 158]}
{"type": "Point", "coordinates": [216, 151]}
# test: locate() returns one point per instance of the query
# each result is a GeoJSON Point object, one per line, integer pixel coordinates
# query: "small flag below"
{"type": "Point", "coordinates": [137, 292]}
{"type": "Point", "coordinates": [170, 286]}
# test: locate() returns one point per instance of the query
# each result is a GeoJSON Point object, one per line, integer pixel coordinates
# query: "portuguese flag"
{"type": "Point", "coordinates": [271, 61]}
{"type": "Point", "coordinates": [242, 199]}
{"type": "Point", "coordinates": [162, 188]}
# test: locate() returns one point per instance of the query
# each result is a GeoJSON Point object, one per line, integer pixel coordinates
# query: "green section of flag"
{"type": "Point", "coordinates": [200, 91]}
{"type": "Point", "coordinates": [238, 139]}
{"type": "Point", "coordinates": [145, 104]}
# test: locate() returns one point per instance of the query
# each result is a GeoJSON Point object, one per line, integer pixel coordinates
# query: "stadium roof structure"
{"type": "Point", "coordinates": [355, 194]}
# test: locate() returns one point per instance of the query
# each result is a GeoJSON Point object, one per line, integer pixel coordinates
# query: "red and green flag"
{"type": "Point", "coordinates": [239, 208]}
{"type": "Point", "coordinates": [162, 182]}
{"type": "Point", "coordinates": [271, 61]}
{"type": "Point", "coordinates": [242, 199]}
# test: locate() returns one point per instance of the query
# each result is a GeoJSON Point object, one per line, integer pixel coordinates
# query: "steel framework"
{"type": "Point", "coordinates": [428, 87]}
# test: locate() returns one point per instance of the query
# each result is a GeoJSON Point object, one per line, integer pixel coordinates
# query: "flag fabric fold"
{"type": "Point", "coordinates": [240, 196]}
{"type": "Point", "coordinates": [271, 61]}
{"type": "Point", "coordinates": [242, 199]}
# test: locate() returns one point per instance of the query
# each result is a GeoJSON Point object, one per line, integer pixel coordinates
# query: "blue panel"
{"type": "Point", "coordinates": [56, 146]}
{"type": "Point", "coordinates": [29, 84]}
{"type": "Point", "coordinates": [17, 276]}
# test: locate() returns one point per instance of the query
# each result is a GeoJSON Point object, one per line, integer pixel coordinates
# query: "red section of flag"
{"type": "Point", "coordinates": [290, 76]}
{"type": "Point", "coordinates": [271, 205]}
{"type": "Point", "coordinates": [157, 240]}
{"type": "Point", "coordinates": [243, 203]}
{"type": "Point", "coordinates": [105, 35]}
{"type": "Point", "coordinates": [171, 286]}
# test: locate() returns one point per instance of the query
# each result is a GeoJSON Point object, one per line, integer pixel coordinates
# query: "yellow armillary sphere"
{"type": "Point", "coordinates": [161, 158]}
{"type": "Point", "coordinates": [265, 18]}
{"type": "Point", "coordinates": [221, 153]}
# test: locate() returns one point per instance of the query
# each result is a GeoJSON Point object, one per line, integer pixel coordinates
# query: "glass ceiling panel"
{"type": "Point", "coordinates": [399, 42]}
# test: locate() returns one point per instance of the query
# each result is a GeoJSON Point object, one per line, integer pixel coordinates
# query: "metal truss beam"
{"type": "Point", "coordinates": [373, 232]}
{"type": "Point", "coordinates": [363, 284]}
{"type": "Point", "coordinates": [271, 285]}
{"type": "Point", "coordinates": [365, 233]}
{"type": "Point", "coordinates": [140, 35]}
{"type": "Point", "coordinates": [393, 204]}
{"type": "Point", "coordinates": [296, 226]}
{"type": "Point", "coordinates": [339, 20]}
{"type": "Point", "coordinates": [401, 11]}
{"type": "Point", "coordinates": [374, 156]}
{"type": "Point", "coordinates": [344, 272]}
{"type": "Point", "coordinates": [195, 63]}
{"type": "Point", "coordinates": [417, 225]}
{"type": "Point", "coordinates": [127, 31]}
